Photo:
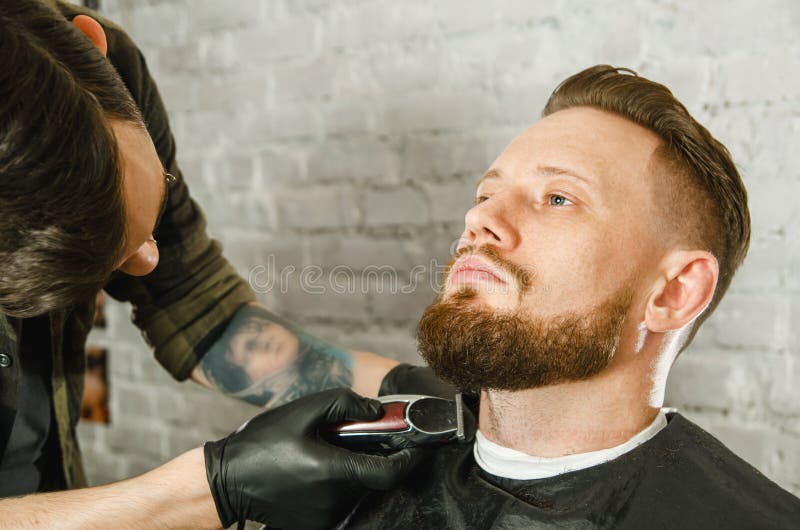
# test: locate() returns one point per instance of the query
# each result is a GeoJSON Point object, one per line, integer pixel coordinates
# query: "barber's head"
{"type": "Point", "coordinates": [612, 224]}
{"type": "Point", "coordinates": [81, 184]}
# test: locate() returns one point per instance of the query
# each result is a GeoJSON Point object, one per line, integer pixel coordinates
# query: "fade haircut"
{"type": "Point", "coordinates": [701, 197]}
{"type": "Point", "coordinates": [62, 216]}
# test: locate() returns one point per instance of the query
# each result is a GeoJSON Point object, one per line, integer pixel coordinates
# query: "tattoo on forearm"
{"type": "Point", "coordinates": [267, 361]}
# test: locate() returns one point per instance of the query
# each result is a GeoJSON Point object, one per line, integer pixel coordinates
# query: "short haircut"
{"type": "Point", "coordinates": [62, 216]}
{"type": "Point", "coordinates": [704, 201]}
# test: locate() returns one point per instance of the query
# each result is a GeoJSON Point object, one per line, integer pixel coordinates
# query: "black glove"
{"type": "Point", "coordinates": [407, 379]}
{"type": "Point", "coordinates": [277, 470]}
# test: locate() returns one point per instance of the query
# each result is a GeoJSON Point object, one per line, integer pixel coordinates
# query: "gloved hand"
{"type": "Point", "coordinates": [407, 379]}
{"type": "Point", "coordinates": [277, 470]}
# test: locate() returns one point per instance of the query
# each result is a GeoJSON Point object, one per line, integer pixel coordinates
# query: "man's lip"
{"type": "Point", "coordinates": [476, 265]}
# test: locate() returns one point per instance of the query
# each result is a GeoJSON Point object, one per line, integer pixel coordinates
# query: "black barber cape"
{"type": "Point", "coordinates": [681, 478]}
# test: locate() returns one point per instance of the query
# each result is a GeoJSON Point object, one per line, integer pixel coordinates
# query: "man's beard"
{"type": "Point", "coordinates": [474, 347]}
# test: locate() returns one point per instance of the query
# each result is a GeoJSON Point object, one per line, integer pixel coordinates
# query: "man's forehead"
{"type": "Point", "coordinates": [583, 143]}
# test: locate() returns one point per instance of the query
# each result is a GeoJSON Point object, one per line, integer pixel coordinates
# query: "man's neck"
{"type": "Point", "coordinates": [569, 418]}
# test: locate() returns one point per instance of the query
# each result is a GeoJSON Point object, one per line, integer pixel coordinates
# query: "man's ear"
{"type": "Point", "coordinates": [683, 291]}
{"type": "Point", "coordinates": [92, 29]}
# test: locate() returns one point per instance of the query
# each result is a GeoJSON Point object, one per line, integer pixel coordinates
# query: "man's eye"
{"type": "Point", "coordinates": [558, 200]}
{"type": "Point", "coordinates": [480, 198]}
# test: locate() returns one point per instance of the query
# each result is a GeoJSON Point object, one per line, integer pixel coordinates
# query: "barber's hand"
{"type": "Point", "coordinates": [277, 471]}
{"type": "Point", "coordinates": [407, 379]}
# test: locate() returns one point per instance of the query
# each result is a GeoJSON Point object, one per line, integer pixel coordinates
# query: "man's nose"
{"type": "Point", "coordinates": [492, 222]}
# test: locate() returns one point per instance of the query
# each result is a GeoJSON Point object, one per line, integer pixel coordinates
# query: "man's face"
{"type": "Point", "coordinates": [558, 243]}
{"type": "Point", "coordinates": [144, 191]}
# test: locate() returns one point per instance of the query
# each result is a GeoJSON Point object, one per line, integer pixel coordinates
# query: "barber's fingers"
{"type": "Point", "coordinates": [378, 472]}
{"type": "Point", "coordinates": [305, 416]}
{"type": "Point", "coordinates": [346, 405]}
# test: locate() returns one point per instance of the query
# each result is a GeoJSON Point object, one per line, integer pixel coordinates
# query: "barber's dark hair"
{"type": "Point", "coordinates": [62, 219]}
{"type": "Point", "coordinates": [702, 197]}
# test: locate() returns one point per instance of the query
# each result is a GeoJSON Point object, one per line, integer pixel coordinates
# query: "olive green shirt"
{"type": "Point", "coordinates": [181, 307]}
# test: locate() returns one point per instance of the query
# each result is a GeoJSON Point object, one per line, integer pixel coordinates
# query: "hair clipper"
{"type": "Point", "coordinates": [407, 421]}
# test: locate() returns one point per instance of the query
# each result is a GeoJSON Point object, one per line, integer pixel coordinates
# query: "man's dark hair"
{"type": "Point", "coordinates": [62, 219]}
{"type": "Point", "coordinates": [702, 198]}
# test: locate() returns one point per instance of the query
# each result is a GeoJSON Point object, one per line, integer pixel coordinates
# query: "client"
{"type": "Point", "coordinates": [600, 240]}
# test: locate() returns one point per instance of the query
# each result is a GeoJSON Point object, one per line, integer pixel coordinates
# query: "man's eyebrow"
{"type": "Point", "coordinates": [164, 199]}
{"type": "Point", "coordinates": [555, 171]}
{"type": "Point", "coordinates": [549, 171]}
{"type": "Point", "coordinates": [491, 174]}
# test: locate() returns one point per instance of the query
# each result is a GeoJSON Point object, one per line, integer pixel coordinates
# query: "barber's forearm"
{"type": "Point", "coordinates": [369, 371]}
{"type": "Point", "coordinates": [175, 495]}
{"type": "Point", "coordinates": [267, 362]}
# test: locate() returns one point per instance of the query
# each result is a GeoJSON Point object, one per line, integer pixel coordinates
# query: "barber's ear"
{"type": "Point", "coordinates": [683, 290]}
{"type": "Point", "coordinates": [92, 29]}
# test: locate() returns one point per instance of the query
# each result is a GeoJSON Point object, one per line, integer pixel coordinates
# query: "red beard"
{"type": "Point", "coordinates": [476, 348]}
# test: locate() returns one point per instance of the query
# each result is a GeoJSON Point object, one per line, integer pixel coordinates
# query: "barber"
{"type": "Point", "coordinates": [88, 184]}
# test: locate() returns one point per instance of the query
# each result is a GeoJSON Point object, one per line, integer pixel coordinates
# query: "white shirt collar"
{"type": "Point", "coordinates": [509, 463]}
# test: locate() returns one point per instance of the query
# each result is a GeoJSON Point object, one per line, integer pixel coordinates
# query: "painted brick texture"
{"type": "Point", "coordinates": [350, 133]}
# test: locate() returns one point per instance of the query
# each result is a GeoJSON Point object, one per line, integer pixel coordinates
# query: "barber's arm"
{"type": "Point", "coordinates": [312, 485]}
{"type": "Point", "coordinates": [173, 495]}
{"type": "Point", "coordinates": [264, 360]}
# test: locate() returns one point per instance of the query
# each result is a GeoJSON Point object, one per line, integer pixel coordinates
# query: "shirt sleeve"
{"type": "Point", "coordinates": [186, 302]}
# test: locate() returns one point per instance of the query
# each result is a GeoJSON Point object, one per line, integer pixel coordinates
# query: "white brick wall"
{"type": "Point", "coordinates": [351, 132]}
